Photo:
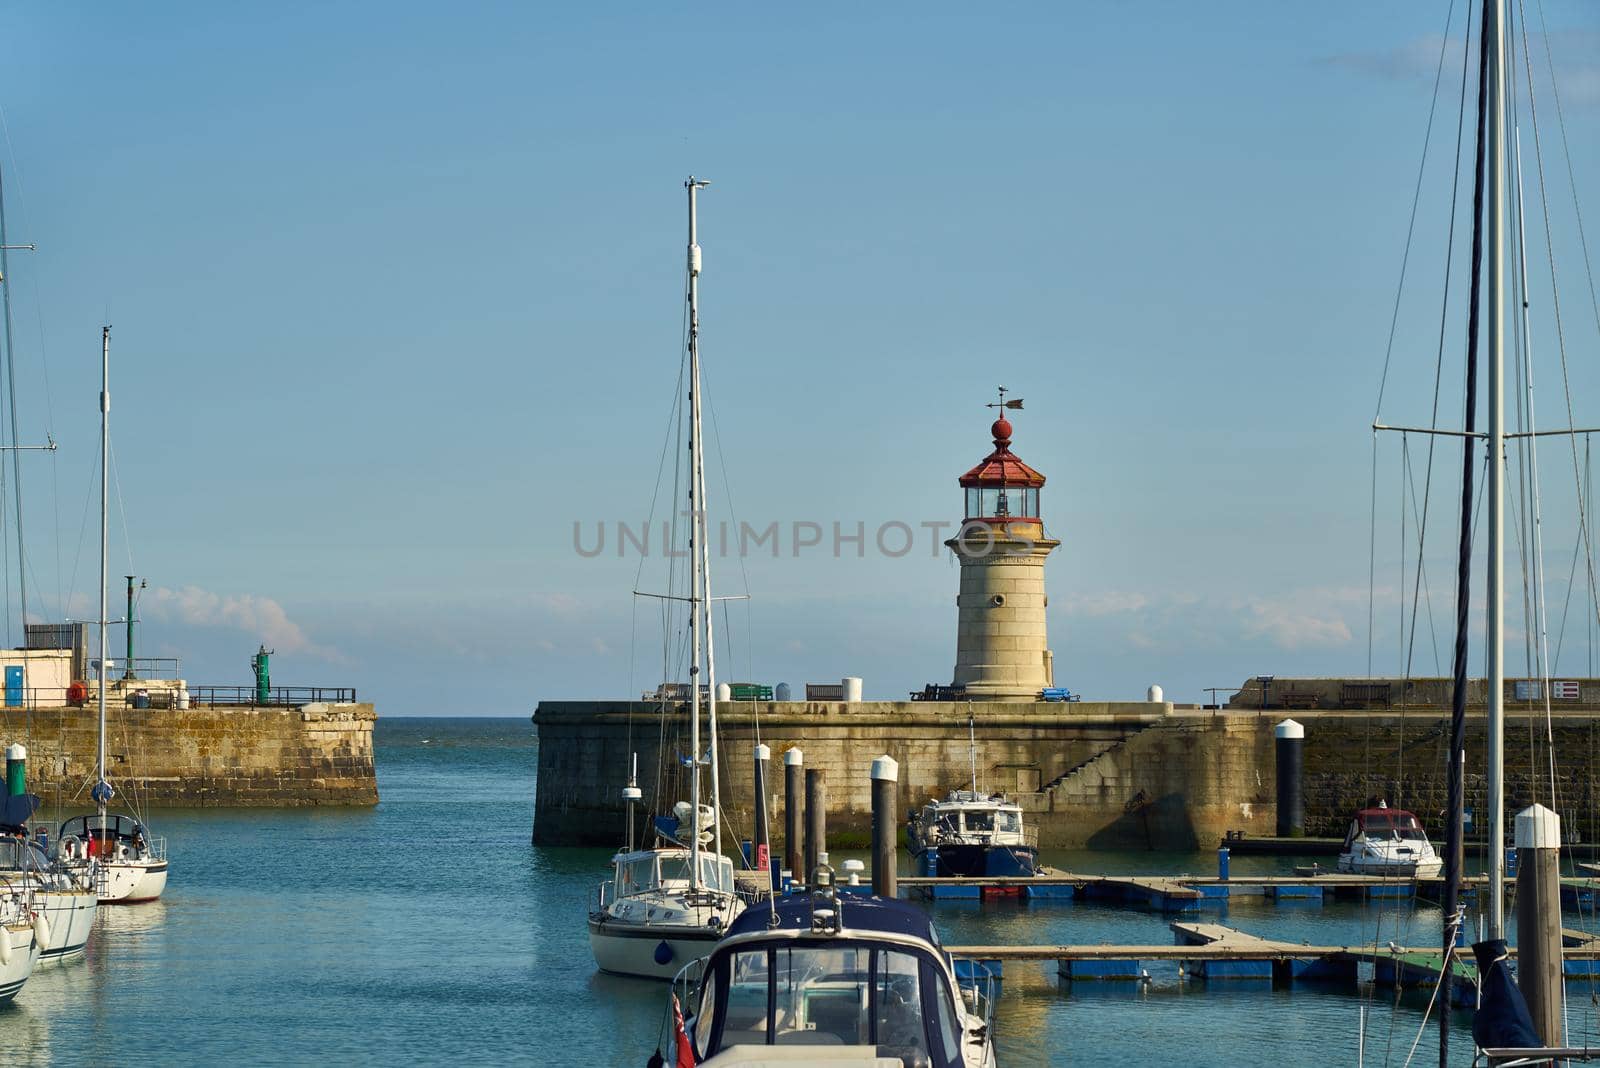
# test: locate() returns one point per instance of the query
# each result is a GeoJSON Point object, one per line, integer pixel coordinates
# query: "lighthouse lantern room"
{"type": "Point", "coordinates": [1002, 650]}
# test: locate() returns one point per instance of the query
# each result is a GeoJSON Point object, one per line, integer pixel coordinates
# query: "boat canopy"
{"type": "Point", "coordinates": [16, 810]}
{"type": "Point", "coordinates": [650, 869]}
{"type": "Point", "coordinates": [1389, 822]}
{"type": "Point", "coordinates": [881, 982]}
{"type": "Point", "coordinates": [857, 912]}
{"type": "Point", "coordinates": [118, 826]}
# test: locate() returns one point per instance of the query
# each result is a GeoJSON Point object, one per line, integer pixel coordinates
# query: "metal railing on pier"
{"type": "Point", "coordinates": [274, 697]}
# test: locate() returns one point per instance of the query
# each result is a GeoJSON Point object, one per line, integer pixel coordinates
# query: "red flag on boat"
{"type": "Point", "coordinates": [685, 1048]}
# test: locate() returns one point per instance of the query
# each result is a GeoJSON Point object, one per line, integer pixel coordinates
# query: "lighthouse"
{"type": "Point", "coordinates": [1002, 652]}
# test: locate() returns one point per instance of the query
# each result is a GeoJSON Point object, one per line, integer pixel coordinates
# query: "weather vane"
{"type": "Point", "coordinates": [1014, 403]}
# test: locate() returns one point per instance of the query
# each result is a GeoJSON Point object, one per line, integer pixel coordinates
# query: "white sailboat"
{"type": "Point", "coordinates": [664, 907]}
{"type": "Point", "coordinates": [125, 862]}
{"type": "Point", "coordinates": [19, 944]}
{"type": "Point", "coordinates": [65, 903]}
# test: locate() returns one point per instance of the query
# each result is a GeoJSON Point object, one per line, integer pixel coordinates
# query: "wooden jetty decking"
{"type": "Point", "coordinates": [1210, 951]}
{"type": "Point", "coordinates": [1186, 893]}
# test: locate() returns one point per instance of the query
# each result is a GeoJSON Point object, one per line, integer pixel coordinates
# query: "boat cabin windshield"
{"type": "Point", "coordinates": [830, 994]}
{"type": "Point", "coordinates": [980, 821]}
{"type": "Point", "coordinates": [643, 872]}
{"type": "Point", "coordinates": [15, 855]}
{"type": "Point", "coordinates": [102, 826]}
{"type": "Point", "coordinates": [1388, 823]}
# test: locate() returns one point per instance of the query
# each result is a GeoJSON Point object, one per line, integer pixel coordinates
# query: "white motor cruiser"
{"type": "Point", "coordinates": [1388, 841]}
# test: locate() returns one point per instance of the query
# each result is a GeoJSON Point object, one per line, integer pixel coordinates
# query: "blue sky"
{"type": "Point", "coordinates": [396, 294]}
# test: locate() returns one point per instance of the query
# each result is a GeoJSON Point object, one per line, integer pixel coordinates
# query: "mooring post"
{"type": "Point", "coordinates": [816, 819]}
{"type": "Point", "coordinates": [1291, 746]}
{"type": "Point", "coordinates": [794, 762]}
{"type": "Point", "coordinates": [16, 769]}
{"type": "Point", "coordinates": [760, 851]}
{"type": "Point", "coordinates": [885, 825]}
{"type": "Point", "coordinates": [1538, 840]}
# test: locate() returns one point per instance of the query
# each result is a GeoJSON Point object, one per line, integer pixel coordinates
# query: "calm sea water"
{"type": "Point", "coordinates": [428, 930]}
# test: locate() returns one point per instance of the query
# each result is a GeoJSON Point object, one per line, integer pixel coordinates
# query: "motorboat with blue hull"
{"type": "Point", "coordinates": [972, 835]}
{"type": "Point", "coordinates": [834, 978]}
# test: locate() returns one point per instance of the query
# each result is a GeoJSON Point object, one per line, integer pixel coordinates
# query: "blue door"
{"type": "Point", "coordinates": [14, 687]}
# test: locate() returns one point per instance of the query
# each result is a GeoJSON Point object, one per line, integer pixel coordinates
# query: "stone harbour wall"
{"type": "Point", "coordinates": [1101, 775]}
{"type": "Point", "coordinates": [1090, 775]}
{"type": "Point", "coordinates": [1351, 757]}
{"type": "Point", "coordinates": [316, 754]}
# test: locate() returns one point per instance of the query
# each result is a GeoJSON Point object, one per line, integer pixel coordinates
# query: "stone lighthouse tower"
{"type": "Point", "coordinates": [1002, 652]}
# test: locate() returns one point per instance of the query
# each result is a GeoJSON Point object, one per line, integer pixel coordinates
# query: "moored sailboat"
{"type": "Point", "coordinates": [127, 864]}
{"type": "Point", "coordinates": [668, 905]}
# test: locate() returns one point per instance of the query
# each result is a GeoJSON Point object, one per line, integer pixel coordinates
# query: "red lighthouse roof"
{"type": "Point", "coordinates": [1002, 467]}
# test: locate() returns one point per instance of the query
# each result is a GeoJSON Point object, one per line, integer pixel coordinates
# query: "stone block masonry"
{"type": "Point", "coordinates": [1115, 776]}
{"type": "Point", "coordinates": [1111, 775]}
{"type": "Point", "coordinates": [315, 754]}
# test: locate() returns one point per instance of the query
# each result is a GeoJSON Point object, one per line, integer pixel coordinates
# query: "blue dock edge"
{"type": "Point", "coordinates": [970, 971]}
{"type": "Point", "coordinates": [1078, 970]}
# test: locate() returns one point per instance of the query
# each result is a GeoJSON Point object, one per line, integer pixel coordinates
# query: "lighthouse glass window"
{"type": "Point", "coordinates": [1002, 502]}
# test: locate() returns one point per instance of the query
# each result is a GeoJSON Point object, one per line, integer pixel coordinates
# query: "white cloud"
{"type": "Point", "coordinates": [1104, 603]}
{"type": "Point", "coordinates": [259, 616]}
{"type": "Point", "coordinates": [1571, 54]}
{"type": "Point", "coordinates": [1417, 58]}
{"type": "Point", "coordinates": [1295, 625]}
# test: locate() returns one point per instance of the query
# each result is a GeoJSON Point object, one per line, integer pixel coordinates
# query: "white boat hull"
{"type": "Point", "coordinates": [1426, 868]}
{"type": "Point", "coordinates": [24, 957]}
{"type": "Point", "coordinates": [633, 949]}
{"type": "Point", "coordinates": [71, 918]}
{"type": "Point", "coordinates": [128, 882]}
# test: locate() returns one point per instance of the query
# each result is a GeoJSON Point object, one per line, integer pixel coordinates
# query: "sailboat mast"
{"type": "Point", "coordinates": [105, 456]}
{"type": "Point", "coordinates": [697, 506]}
{"type": "Point", "coordinates": [706, 603]}
{"type": "Point", "coordinates": [1496, 165]}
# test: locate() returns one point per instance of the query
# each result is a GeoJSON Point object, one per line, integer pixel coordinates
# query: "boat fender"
{"type": "Point", "coordinates": [5, 947]}
{"type": "Point", "coordinates": [664, 952]}
{"type": "Point", "coordinates": [41, 931]}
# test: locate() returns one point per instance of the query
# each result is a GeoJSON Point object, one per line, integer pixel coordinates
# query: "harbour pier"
{"type": "Point", "coordinates": [1213, 952]}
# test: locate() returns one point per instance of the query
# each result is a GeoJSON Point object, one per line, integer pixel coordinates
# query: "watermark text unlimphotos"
{"type": "Point", "coordinates": [893, 538]}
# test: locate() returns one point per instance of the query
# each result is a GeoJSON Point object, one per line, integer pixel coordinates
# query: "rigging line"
{"type": "Point", "coordinates": [1566, 150]}
{"type": "Point", "coordinates": [122, 511]}
{"type": "Point", "coordinates": [1416, 198]}
{"type": "Point", "coordinates": [1555, 305]}
{"type": "Point", "coordinates": [1572, 575]}
{"type": "Point", "coordinates": [1444, 318]}
{"type": "Point", "coordinates": [1405, 664]}
{"type": "Point", "coordinates": [83, 526]}
{"type": "Point", "coordinates": [1533, 445]}
{"type": "Point", "coordinates": [1421, 583]}
{"type": "Point", "coordinates": [1372, 550]}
